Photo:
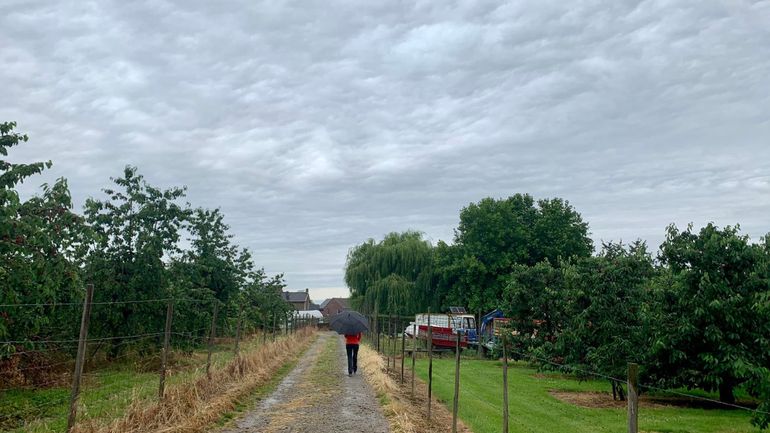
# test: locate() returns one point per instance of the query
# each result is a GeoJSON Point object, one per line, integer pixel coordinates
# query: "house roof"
{"type": "Point", "coordinates": [324, 303]}
{"type": "Point", "coordinates": [344, 302]}
{"type": "Point", "coordinates": [301, 296]}
{"type": "Point", "coordinates": [314, 306]}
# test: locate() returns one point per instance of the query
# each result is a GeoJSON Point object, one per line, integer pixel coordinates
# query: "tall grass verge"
{"type": "Point", "coordinates": [406, 414]}
{"type": "Point", "coordinates": [193, 406]}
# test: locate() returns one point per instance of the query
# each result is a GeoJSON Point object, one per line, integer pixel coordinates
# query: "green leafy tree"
{"type": "Point", "coordinates": [534, 300]}
{"type": "Point", "coordinates": [137, 230]}
{"type": "Point", "coordinates": [496, 235]}
{"type": "Point", "coordinates": [713, 332]}
{"type": "Point", "coordinates": [759, 384]}
{"type": "Point", "coordinates": [395, 274]}
{"type": "Point", "coordinates": [42, 243]}
{"type": "Point", "coordinates": [215, 262]}
{"type": "Point", "coordinates": [213, 269]}
{"type": "Point", "coordinates": [264, 301]}
{"type": "Point", "coordinates": [605, 302]}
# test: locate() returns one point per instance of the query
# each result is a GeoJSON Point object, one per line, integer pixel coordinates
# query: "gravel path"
{"type": "Point", "coordinates": [317, 396]}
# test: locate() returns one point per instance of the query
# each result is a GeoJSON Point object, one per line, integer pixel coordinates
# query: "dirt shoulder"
{"type": "Point", "coordinates": [406, 413]}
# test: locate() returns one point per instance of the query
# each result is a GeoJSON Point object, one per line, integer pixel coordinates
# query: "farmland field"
{"type": "Point", "coordinates": [534, 410]}
{"type": "Point", "coordinates": [105, 395]}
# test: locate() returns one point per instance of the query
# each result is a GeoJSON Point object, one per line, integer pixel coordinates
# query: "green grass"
{"type": "Point", "coordinates": [326, 370]}
{"type": "Point", "coordinates": [533, 410]}
{"type": "Point", "coordinates": [105, 393]}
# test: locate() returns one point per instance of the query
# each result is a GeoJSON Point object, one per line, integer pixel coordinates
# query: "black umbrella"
{"type": "Point", "coordinates": [349, 323]}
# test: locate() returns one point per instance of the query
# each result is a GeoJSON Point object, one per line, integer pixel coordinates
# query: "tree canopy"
{"type": "Point", "coordinates": [494, 236]}
{"type": "Point", "coordinates": [713, 332]}
{"type": "Point", "coordinates": [130, 244]}
{"type": "Point", "coordinates": [392, 275]}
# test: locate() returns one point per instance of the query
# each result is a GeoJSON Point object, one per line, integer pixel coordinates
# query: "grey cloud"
{"type": "Point", "coordinates": [315, 125]}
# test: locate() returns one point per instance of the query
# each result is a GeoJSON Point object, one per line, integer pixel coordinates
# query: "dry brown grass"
{"type": "Point", "coordinates": [405, 414]}
{"type": "Point", "coordinates": [193, 406]}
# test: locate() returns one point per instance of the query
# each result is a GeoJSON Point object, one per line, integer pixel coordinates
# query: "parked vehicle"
{"type": "Point", "coordinates": [492, 325]}
{"type": "Point", "coordinates": [411, 330]}
{"type": "Point", "coordinates": [492, 332]}
{"type": "Point", "coordinates": [444, 328]}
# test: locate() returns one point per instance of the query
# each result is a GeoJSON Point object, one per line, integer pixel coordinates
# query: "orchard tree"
{"type": "Point", "coordinates": [759, 385]}
{"type": "Point", "coordinates": [713, 331]}
{"type": "Point", "coordinates": [42, 243]}
{"type": "Point", "coordinates": [137, 229]}
{"type": "Point", "coordinates": [213, 259]}
{"type": "Point", "coordinates": [534, 300]}
{"type": "Point", "coordinates": [605, 305]}
{"type": "Point", "coordinates": [264, 301]}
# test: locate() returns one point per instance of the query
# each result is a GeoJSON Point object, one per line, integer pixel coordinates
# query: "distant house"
{"type": "Point", "coordinates": [333, 306]}
{"type": "Point", "coordinates": [299, 300]}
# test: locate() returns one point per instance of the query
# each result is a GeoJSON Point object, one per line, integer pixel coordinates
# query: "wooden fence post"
{"type": "Point", "coordinates": [85, 318]}
{"type": "Point", "coordinates": [273, 333]}
{"type": "Point", "coordinates": [394, 343]}
{"type": "Point", "coordinates": [479, 353]}
{"type": "Point", "coordinates": [403, 350]}
{"type": "Point", "coordinates": [377, 323]}
{"type": "Point", "coordinates": [505, 385]}
{"type": "Point", "coordinates": [389, 341]}
{"type": "Point", "coordinates": [264, 329]}
{"type": "Point", "coordinates": [414, 355]}
{"type": "Point", "coordinates": [238, 332]}
{"type": "Point", "coordinates": [457, 383]}
{"type": "Point", "coordinates": [212, 335]}
{"type": "Point", "coordinates": [164, 355]}
{"type": "Point", "coordinates": [430, 363]}
{"type": "Point", "coordinates": [633, 397]}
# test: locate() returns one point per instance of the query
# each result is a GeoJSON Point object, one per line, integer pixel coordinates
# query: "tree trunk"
{"type": "Point", "coordinates": [726, 392]}
{"type": "Point", "coordinates": [617, 392]}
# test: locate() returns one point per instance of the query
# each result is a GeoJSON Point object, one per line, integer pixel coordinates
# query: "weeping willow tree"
{"type": "Point", "coordinates": [395, 274]}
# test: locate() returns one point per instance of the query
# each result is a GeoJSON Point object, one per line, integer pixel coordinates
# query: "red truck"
{"type": "Point", "coordinates": [444, 329]}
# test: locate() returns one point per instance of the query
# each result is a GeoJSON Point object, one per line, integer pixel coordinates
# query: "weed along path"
{"type": "Point", "coordinates": [317, 396]}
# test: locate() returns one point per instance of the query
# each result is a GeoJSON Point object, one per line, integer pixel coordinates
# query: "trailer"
{"type": "Point", "coordinates": [444, 328]}
{"type": "Point", "coordinates": [490, 339]}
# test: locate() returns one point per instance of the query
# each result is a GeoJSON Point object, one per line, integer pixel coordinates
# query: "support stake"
{"type": "Point", "coordinates": [457, 383]}
{"type": "Point", "coordinates": [403, 350]}
{"type": "Point", "coordinates": [430, 363]}
{"type": "Point", "coordinates": [212, 336]}
{"type": "Point", "coordinates": [164, 356]}
{"type": "Point", "coordinates": [633, 397]}
{"type": "Point", "coordinates": [85, 318]}
{"type": "Point", "coordinates": [505, 385]}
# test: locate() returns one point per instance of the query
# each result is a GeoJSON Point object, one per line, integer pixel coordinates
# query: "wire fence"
{"type": "Point", "coordinates": [396, 337]}
{"type": "Point", "coordinates": [38, 390]}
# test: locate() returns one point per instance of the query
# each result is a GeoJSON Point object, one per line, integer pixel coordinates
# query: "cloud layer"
{"type": "Point", "coordinates": [315, 125]}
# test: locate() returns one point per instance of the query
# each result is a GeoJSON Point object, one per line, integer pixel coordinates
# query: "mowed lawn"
{"type": "Point", "coordinates": [533, 410]}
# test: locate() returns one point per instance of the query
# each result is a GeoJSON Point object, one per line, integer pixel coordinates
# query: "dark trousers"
{"type": "Point", "coordinates": [352, 350]}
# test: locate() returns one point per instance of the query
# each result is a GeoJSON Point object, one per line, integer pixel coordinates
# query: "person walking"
{"type": "Point", "coordinates": [351, 347]}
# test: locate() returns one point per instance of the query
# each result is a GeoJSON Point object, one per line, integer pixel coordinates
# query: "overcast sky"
{"type": "Point", "coordinates": [315, 125]}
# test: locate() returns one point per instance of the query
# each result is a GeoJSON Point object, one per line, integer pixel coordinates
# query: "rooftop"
{"type": "Point", "coordinates": [300, 296]}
